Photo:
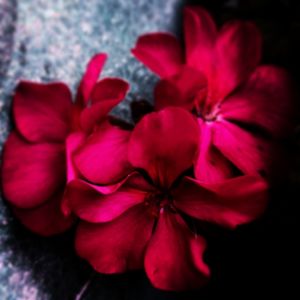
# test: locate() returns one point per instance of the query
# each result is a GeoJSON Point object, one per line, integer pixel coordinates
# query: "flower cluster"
{"type": "Point", "coordinates": [136, 194]}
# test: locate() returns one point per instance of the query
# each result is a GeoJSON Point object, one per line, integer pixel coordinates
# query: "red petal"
{"type": "Point", "coordinates": [90, 78]}
{"type": "Point", "coordinates": [46, 219]}
{"type": "Point", "coordinates": [164, 144]}
{"type": "Point", "coordinates": [72, 143]}
{"type": "Point", "coordinates": [211, 165]}
{"type": "Point", "coordinates": [106, 95]}
{"type": "Point", "coordinates": [113, 247]}
{"type": "Point", "coordinates": [265, 101]}
{"type": "Point", "coordinates": [42, 112]}
{"type": "Point", "coordinates": [31, 173]}
{"type": "Point", "coordinates": [247, 152]}
{"type": "Point", "coordinates": [229, 203]}
{"type": "Point", "coordinates": [103, 157]}
{"type": "Point", "coordinates": [174, 257]}
{"type": "Point", "coordinates": [109, 89]}
{"type": "Point", "coordinates": [90, 205]}
{"type": "Point", "coordinates": [200, 33]}
{"type": "Point", "coordinates": [179, 90]}
{"type": "Point", "coordinates": [160, 52]}
{"type": "Point", "coordinates": [237, 53]}
{"type": "Point", "coordinates": [94, 115]}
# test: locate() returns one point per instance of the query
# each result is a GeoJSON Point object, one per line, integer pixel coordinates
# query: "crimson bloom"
{"type": "Point", "coordinates": [37, 154]}
{"type": "Point", "coordinates": [140, 222]}
{"type": "Point", "coordinates": [217, 77]}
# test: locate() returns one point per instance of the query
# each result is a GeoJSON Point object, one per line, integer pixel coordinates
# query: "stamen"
{"type": "Point", "coordinates": [208, 113]}
{"type": "Point", "coordinates": [156, 201]}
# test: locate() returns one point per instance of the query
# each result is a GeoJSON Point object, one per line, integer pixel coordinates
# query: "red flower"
{"type": "Point", "coordinates": [37, 155]}
{"type": "Point", "coordinates": [218, 78]}
{"type": "Point", "coordinates": [141, 223]}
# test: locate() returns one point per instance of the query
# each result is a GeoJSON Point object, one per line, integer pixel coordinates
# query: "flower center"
{"type": "Point", "coordinates": [156, 201]}
{"type": "Point", "coordinates": [208, 113]}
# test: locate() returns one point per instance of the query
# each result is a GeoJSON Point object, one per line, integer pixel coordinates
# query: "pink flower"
{"type": "Point", "coordinates": [140, 222]}
{"type": "Point", "coordinates": [217, 77]}
{"type": "Point", "coordinates": [37, 155]}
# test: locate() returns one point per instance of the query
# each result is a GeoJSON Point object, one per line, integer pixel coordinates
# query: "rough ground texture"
{"type": "Point", "coordinates": [49, 40]}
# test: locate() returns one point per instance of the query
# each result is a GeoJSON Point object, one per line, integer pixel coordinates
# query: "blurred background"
{"type": "Point", "coordinates": [51, 40]}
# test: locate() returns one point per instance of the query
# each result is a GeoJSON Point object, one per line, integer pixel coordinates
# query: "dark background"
{"type": "Point", "coordinates": [257, 259]}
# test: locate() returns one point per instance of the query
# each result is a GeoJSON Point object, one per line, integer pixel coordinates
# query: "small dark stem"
{"type": "Point", "coordinates": [83, 289]}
